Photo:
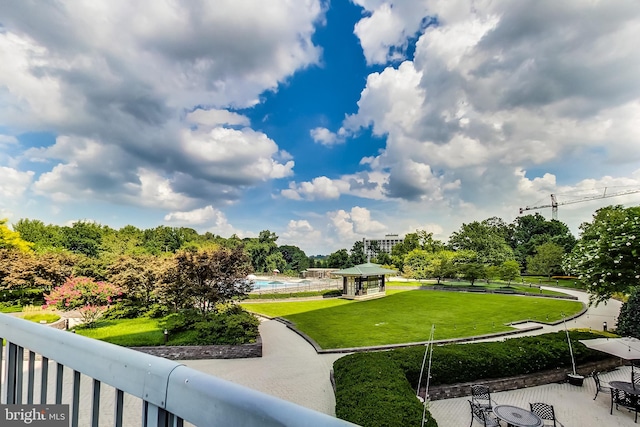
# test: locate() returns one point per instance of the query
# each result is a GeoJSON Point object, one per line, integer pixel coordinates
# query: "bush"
{"type": "Point", "coordinates": [332, 293]}
{"type": "Point", "coordinates": [123, 310]}
{"type": "Point", "coordinates": [371, 391]}
{"type": "Point", "coordinates": [629, 318]}
{"type": "Point", "coordinates": [230, 326]}
{"type": "Point", "coordinates": [365, 380]}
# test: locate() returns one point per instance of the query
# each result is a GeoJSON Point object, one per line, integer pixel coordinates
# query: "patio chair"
{"type": "Point", "coordinates": [546, 413]}
{"type": "Point", "coordinates": [624, 399]}
{"type": "Point", "coordinates": [600, 385]}
{"type": "Point", "coordinates": [481, 396]}
{"type": "Point", "coordinates": [635, 379]}
{"type": "Point", "coordinates": [487, 419]}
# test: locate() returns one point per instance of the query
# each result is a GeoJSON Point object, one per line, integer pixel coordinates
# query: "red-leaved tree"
{"type": "Point", "coordinates": [86, 295]}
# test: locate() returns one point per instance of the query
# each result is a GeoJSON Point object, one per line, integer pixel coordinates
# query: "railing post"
{"type": "Point", "coordinates": [154, 416]}
{"type": "Point", "coordinates": [10, 377]}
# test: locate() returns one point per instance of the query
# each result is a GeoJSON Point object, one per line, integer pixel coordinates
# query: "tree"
{"type": "Point", "coordinates": [139, 276]}
{"type": "Point", "coordinates": [547, 260]}
{"type": "Point", "coordinates": [606, 256]}
{"type": "Point", "coordinates": [260, 249]}
{"type": "Point", "coordinates": [295, 258]}
{"type": "Point", "coordinates": [126, 241]}
{"type": "Point", "coordinates": [509, 270]}
{"type": "Point", "coordinates": [416, 264]}
{"type": "Point", "coordinates": [210, 277]}
{"type": "Point", "coordinates": [531, 231]}
{"type": "Point", "coordinates": [485, 239]}
{"type": "Point", "coordinates": [629, 318]}
{"type": "Point", "coordinates": [339, 259]}
{"type": "Point", "coordinates": [83, 237]}
{"type": "Point", "coordinates": [357, 255]}
{"type": "Point", "coordinates": [10, 239]}
{"type": "Point", "coordinates": [44, 237]}
{"type": "Point", "coordinates": [85, 294]}
{"type": "Point", "coordinates": [472, 272]}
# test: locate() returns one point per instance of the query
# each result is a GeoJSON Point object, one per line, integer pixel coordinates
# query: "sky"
{"type": "Point", "coordinates": [324, 122]}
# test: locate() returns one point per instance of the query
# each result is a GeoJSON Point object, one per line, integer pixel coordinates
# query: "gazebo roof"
{"type": "Point", "coordinates": [368, 269]}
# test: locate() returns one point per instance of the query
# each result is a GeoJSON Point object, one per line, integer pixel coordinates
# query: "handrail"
{"type": "Point", "coordinates": [196, 397]}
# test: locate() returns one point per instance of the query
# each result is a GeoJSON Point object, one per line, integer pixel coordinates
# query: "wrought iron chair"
{"type": "Point", "coordinates": [624, 399]}
{"type": "Point", "coordinates": [600, 385]}
{"type": "Point", "coordinates": [481, 396]}
{"type": "Point", "coordinates": [546, 413]}
{"type": "Point", "coordinates": [487, 419]}
{"type": "Point", "coordinates": [635, 378]}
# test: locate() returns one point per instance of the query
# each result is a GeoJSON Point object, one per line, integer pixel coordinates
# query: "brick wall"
{"type": "Point", "coordinates": [192, 352]}
{"type": "Point", "coordinates": [449, 391]}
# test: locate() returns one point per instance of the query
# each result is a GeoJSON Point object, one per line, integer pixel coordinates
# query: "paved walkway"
{"type": "Point", "coordinates": [289, 369]}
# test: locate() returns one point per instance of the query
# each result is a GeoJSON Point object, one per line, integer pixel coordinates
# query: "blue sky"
{"type": "Point", "coordinates": [324, 122]}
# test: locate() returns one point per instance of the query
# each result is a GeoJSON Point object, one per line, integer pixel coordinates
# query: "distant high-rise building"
{"type": "Point", "coordinates": [384, 244]}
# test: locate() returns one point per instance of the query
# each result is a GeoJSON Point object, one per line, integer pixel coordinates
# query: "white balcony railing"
{"type": "Point", "coordinates": [43, 365]}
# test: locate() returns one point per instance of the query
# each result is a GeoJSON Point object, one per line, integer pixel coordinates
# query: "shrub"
{"type": "Point", "coordinates": [230, 326]}
{"type": "Point", "coordinates": [123, 310]}
{"type": "Point", "coordinates": [332, 293]}
{"type": "Point", "coordinates": [371, 391]}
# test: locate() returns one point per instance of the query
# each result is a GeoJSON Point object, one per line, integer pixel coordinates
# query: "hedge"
{"type": "Point", "coordinates": [378, 389]}
{"type": "Point", "coordinates": [371, 391]}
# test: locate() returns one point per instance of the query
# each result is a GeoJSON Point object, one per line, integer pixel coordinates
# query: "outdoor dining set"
{"type": "Point", "coordinates": [490, 414]}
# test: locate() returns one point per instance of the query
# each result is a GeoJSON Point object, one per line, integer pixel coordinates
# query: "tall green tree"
{"type": "Point", "coordinates": [531, 231]}
{"type": "Point", "coordinates": [83, 237]}
{"type": "Point", "coordinates": [606, 256]}
{"type": "Point", "coordinates": [629, 318]}
{"type": "Point", "coordinates": [547, 260]}
{"type": "Point", "coordinates": [483, 238]}
{"type": "Point", "coordinates": [44, 237]}
{"type": "Point", "coordinates": [295, 258]}
{"type": "Point", "coordinates": [339, 259]}
{"type": "Point", "coordinates": [357, 255]}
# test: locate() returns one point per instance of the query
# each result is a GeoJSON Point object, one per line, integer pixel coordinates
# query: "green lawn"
{"type": "Point", "coordinates": [126, 332]}
{"type": "Point", "coordinates": [38, 317]}
{"type": "Point", "coordinates": [515, 285]}
{"type": "Point", "coordinates": [407, 316]}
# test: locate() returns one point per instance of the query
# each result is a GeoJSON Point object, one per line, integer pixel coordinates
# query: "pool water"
{"type": "Point", "coordinates": [274, 284]}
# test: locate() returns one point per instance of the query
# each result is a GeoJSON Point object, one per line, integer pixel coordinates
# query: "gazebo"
{"type": "Point", "coordinates": [364, 281]}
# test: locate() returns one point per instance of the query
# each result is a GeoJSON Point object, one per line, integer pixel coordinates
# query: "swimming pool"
{"type": "Point", "coordinates": [274, 284]}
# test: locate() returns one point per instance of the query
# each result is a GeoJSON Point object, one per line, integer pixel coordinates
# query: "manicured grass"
{"type": "Point", "coordinates": [126, 332]}
{"type": "Point", "coordinates": [38, 317]}
{"type": "Point", "coordinates": [515, 285]}
{"type": "Point", "coordinates": [407, 316]}
{"type": "Point", "coordinates": [10, 308]}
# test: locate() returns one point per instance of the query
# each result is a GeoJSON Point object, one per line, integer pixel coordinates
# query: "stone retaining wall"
{"type": "Point", "coordinates": [449, 391]}
{"type": "Point", "coordinates": [192, 352]}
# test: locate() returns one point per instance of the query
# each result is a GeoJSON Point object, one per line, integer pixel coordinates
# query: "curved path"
{"type": "Point", "coordinates": [291, 369]}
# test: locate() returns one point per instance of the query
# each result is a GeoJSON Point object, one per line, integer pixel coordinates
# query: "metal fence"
{"type": "Point", "coordinates": [43, 365]}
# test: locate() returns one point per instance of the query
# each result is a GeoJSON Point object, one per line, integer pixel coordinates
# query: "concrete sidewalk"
{"type": "Point", "coordinates": [289, 369]}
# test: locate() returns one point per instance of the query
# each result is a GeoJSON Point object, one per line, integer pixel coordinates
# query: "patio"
{"type": "Point", "coordinates": [574, 406]}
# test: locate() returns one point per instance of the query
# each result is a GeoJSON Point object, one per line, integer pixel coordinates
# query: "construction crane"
{"type": "Point", "coordinates": [554, 202]}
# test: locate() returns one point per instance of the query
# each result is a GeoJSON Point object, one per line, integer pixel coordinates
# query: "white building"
{"type": "Point", "coordinates": [385, 244]}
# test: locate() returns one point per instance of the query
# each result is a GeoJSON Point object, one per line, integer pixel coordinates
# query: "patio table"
{"type": "Point", "coordinates": [517, 417]}
{"type": "Point", "coordinates": [625, 386]}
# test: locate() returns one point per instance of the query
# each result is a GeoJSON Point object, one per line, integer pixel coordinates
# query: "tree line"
{"type": "Point", "coordinates": [33, 254]}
